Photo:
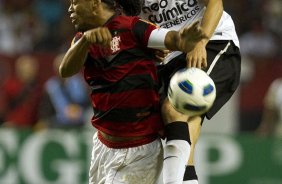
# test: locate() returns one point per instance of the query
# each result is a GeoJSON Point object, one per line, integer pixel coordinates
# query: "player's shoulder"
{"type": "Point", "coordinates": [124, 20]}
{"type": "Point", "coordinates": [129, 21]}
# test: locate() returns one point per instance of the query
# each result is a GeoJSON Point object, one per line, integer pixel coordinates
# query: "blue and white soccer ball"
{"type": "Point", "coordinates": [191, 91]}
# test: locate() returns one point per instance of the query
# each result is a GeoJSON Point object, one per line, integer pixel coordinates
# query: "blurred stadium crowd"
{"type": "Point", "coordinates": [34, 25]}
{"type": "Point", "coordinates": [35, 33]}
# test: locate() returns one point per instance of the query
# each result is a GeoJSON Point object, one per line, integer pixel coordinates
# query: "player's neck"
{"type": "Point", "coordinates": [102, 16]}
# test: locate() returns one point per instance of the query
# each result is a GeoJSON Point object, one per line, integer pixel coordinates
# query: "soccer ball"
{"type": "Point", "coordinates": [191, 91]}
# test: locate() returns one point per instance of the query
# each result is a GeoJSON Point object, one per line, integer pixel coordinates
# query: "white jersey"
{"type": "Point", "coordinates": [273, 100]}
{"type": "Point", "coordinates": [175, 14]}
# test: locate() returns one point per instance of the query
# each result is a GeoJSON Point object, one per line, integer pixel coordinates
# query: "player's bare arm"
{"type": "Point", "coordinates": [197, 57]}
{"type": "Point", "coordinates": [74, 59]}
{"type": "Point", "coordinates": [212, 15]}
{"type": "Point", "coordinates": [185, 39]}
{"type": "Point", "coordinates": [190, 36]}
{"type": "Point", "coordinates": [100, 35]}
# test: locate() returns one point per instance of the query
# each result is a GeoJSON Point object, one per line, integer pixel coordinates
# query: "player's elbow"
{"type": "Point", "coordinates": [63, 71]}
{"type": "Point", "coordinates": [68, 67]}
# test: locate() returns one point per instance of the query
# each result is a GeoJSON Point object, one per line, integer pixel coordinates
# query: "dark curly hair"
{"type": "Point", "coordinates": [129, 7]}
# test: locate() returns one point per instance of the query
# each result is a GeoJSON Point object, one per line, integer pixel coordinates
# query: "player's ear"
{"type": "Point", "coordinates": [94, 5]}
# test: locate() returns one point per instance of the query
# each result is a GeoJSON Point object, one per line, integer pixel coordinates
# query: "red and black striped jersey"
{"type": "Point", "coordinates": [124, 81]}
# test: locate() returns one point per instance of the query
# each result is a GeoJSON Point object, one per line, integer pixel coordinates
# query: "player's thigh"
{"type": "Point", "coordinates": [103, 160]}
{"type": "Point", "coordinates": [98, 159]}
{"type": "Point", "coordinates": [169, 113]}
{"type": "Point", "coordinates": [143, 165]}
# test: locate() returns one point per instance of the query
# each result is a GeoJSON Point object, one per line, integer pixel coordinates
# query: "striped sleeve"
{"type": "Point", "coordinates": [149, 34]}
{"type": "Point", "coordinates": [142, 30]}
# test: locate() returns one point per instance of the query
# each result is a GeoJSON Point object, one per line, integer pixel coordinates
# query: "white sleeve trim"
{"type": "Point", "coordinates": [157, 38]}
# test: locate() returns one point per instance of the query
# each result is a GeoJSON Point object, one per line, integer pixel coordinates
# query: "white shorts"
{"type": "Point", "coordinates": [136, 165]}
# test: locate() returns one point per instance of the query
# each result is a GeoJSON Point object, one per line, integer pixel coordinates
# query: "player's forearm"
{"type": "Point", "coordinates": [171, 40]}
{"type": "Point", "coordinates": [185, 39]}
{"type": "Point", "coordinates": [74, 59]}
{"type": "Point", "coordinates": [211, 18]}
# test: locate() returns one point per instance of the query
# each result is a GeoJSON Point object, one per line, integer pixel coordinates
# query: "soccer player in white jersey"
{"type": "Point", "coordinates": [218, 55]}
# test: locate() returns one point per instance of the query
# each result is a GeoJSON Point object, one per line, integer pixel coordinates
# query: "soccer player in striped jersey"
{"type": "Point", "coordinates": [218, 55]}
{"type": "Point", "coordinates": [114, 51]}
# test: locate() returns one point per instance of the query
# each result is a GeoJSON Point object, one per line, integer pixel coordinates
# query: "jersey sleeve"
{"type": "Point", "coordinates": [157, 38]}
{"type": "Point", "coordinates": [149, 35]}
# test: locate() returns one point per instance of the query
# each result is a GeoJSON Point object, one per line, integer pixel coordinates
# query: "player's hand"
{"type": "Point", "coordinates": [190, 36]}
{"type": "Point", "coordinates": [161, 54]}
{"type": "Point", "coordinates": [100, 35]}
{"type": "Point", "coordinates": [197, 57]}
